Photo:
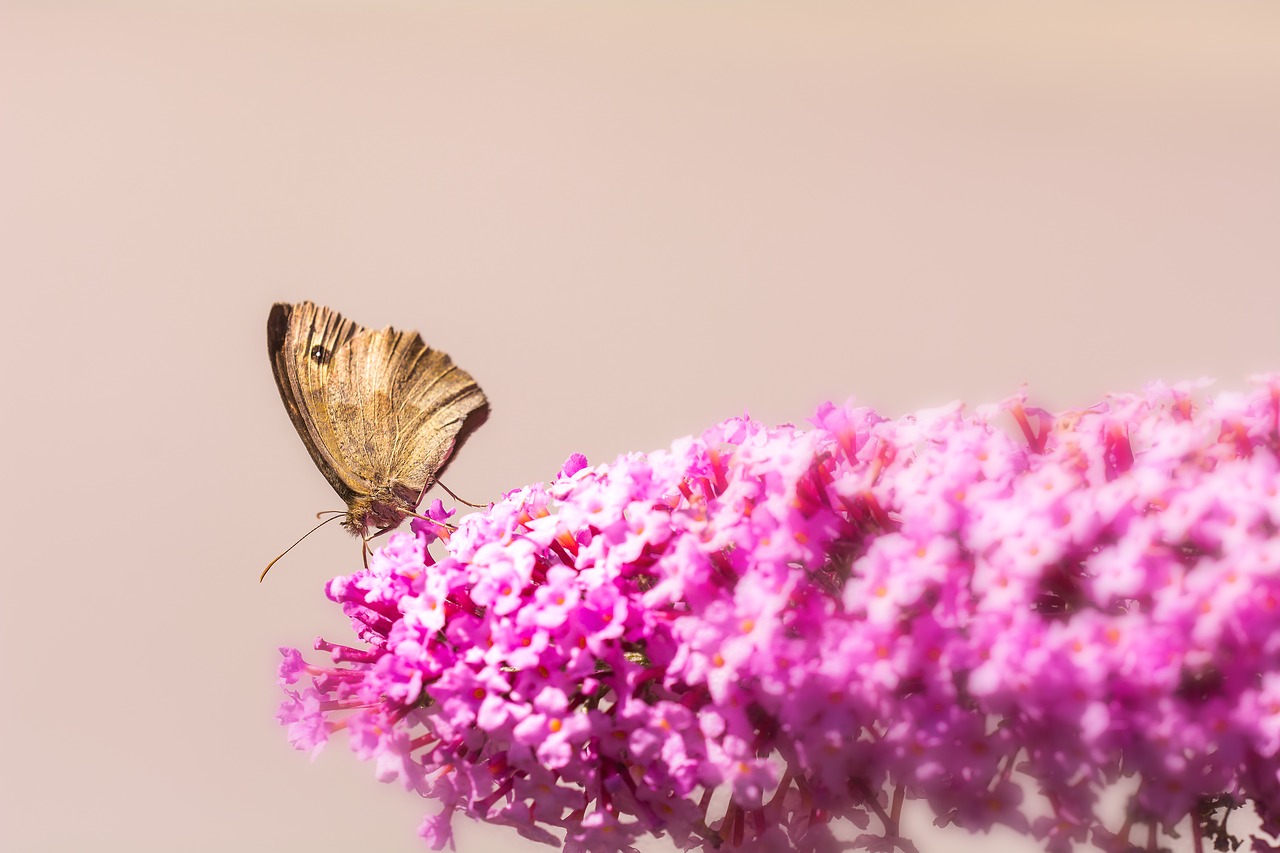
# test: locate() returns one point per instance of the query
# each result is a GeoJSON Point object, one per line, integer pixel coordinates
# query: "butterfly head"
{"type": "Point", "coordinates": [384, 508]}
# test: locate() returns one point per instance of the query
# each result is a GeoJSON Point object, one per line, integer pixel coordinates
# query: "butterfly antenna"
{"type": "Point", "coordinates": [456, 498]}
{"type": "Point", "coordinates": [295, 545]}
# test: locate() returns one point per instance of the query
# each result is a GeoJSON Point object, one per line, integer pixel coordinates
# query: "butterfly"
{"type": "Point", "coordinates": [380, 412]}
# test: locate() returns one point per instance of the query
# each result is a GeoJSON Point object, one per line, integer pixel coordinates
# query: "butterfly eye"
{"type": "Point", "coordinates": [319, 355]}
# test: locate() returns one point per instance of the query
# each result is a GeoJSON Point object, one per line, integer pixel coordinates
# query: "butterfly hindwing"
{"type": "Point", "coordinates": [440, 406]}
{"type": "Point", "coordinates": [404, 404]}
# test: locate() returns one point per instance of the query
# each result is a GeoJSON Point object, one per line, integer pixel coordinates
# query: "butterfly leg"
{"type": "Point", "coordinates": [367, 539]}
{"type": "Point", "coordinates": [458, 499]}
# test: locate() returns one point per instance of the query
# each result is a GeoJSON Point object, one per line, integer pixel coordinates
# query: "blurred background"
{"type": "Point", "coordinates": [627, 221]}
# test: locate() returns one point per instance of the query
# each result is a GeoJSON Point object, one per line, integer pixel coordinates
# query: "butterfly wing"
{"type": "Point", "coordinates": [377, 410]}
{"type": "Point", "coordinates": [407, 406]}
{"type": "Point", "coordinates": [301, 341]}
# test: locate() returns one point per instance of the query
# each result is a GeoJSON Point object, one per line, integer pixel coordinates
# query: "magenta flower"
{"type": "Point", "coordinates": [768, 639]}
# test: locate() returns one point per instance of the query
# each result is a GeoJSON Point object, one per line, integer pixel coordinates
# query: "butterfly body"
{"type": "Point", "coordinates": [380, 412]}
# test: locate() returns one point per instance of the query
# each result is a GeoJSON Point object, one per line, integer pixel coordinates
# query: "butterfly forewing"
{"type": "Point", "coordinates": [301, 340]}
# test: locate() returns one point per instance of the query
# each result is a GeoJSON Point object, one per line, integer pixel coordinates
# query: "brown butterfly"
{"type": "Point", "coordinates": [379, 411]}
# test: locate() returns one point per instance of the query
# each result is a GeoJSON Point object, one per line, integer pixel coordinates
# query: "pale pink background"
{"type": "Point", "coordinates": [627, 220]}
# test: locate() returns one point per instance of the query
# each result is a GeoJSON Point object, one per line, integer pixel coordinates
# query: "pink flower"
{"type": "Point", "coordinates": [304, 715]}
{"type": "Point", "coordinates": [552, 730]}
{"type": "Point", "coordinates": [746, 639]}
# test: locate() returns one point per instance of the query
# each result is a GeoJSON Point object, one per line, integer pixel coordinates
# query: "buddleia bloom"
{"type": "Point", "coordinates": [769, 638]}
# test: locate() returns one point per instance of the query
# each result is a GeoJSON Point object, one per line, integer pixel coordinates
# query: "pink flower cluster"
{"type": "Point", "coordinates": [768, 638]}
